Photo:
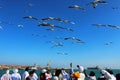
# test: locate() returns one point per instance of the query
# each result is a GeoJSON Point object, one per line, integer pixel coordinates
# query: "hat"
{"type": "Point", "coordinates": [55, 78]}
{"type": "Point", "coordinates": [7, 71]}
{"type": "Point", "coordinates": [81, 69]}
{"type": "Point", "coordinates": [103, 71]}
{"type": "Point", "coordinates": [15, 70]}
{"type": "Point", "coordinates": [44, 70]}
{"type": "Point", "coordinates": [76, 74]}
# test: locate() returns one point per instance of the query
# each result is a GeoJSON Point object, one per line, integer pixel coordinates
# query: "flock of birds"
{"type": "Point", "coordinates": [44, 22]}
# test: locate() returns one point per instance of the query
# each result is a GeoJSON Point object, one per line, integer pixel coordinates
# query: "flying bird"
{"type": "Point", "coordinates": [99, 25]}
{"type": "Point", "coordinates": [37, 35]}
{"type": "Point", "coordinates": [30, 4]}
{"type": "Point", "coordinates": [56, 44]}
{"type": "Point", "coordinates": [113, 26]}
{"type": "Point", "coordinates": [49, 18]}
{"type": "Point", "coordinates": [30, 17]}
{"type": "Point", "coordinates": [1, 28]}
{"type": "Point", "coordinates": [62, 53]}
{"type": "Point", "coordinates": [108, 43]}
{"type": "Point", "coordinates": [95, 3]}
{"type": "Point", "coordinates": [76, 7]}
{"type": "Point", "coordinates": [74, 38]}
{"type": "Point", "coordinates": [20, 26]}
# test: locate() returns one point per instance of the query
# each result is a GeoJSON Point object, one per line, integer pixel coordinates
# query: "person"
{"type": "Point", "coordinates": [91, 76]}
{"type": "Point", "coordinates": [65, 75]}
{"type": "Point", "coordinates": [15, 75]}
{"type": "Point", "coordinates": [58, 73]}
{"type": "Point", "coordinates": [25, 74]}
{"type": "Point", "coordinates": [118, 76]}
{"type": "Point", "coordinates": [102, 77]}
{"type": "Point", "coordinates": [35, 75]}
{"type": "Point", "coordinates": [48, 75]}
{"type": "Point", "coordinates": [79, 75]}
{"type": "Point", "coordinates": [6, 76]}
{"type": "Point", "coordinates": [42, 75]}
{"type": "Point", "coordinates": [81, 70]}
{"type": "Point", "coordinates": [30, 77]}
{"type": "Point", "coordinates": [108, 75]}
{"type": "Point", "coordinates": [76, 76]}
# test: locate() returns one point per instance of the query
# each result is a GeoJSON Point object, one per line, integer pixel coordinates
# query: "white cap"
{"type": "Point", "coordinates": [55, 78]}
{"type": "Point", "coordinates": [7, 71]}
{"type": "Point", "coordinates": [103, 71]}
{"type": "Point", "coordinates": [44, 70]}
{"type": "Point", "coordinates": [15, 70]}
{"type": "Point", "coordinates": [81, 69]}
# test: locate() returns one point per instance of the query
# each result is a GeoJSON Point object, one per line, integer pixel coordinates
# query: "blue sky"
{"type": "Point", "coordinates": [18, 46]}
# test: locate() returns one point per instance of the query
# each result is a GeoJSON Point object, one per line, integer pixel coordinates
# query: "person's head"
{"type": "Point", "coordinates": [76, 75]}
{"type": "Point", "coordinates": [7, 71]}
{"type": "Point", "coordinates": [55, 78]}
{"type": "Point", "coordinates": [118, 76]}
{"type": "Point", "coordinates": [110, 71]}
{"type": "Point", "coordinates": [34, 70]}
{"type": "Point", "coordinates": [81, 68]}
{"type": "Point", "coordinates": [92, 73]}
{"type": "Point", "coordinates": [27, 68]}
{"type": "Point", "coordinates": [31, 73]}
{"type": "Point", "coordinates": [15, 70]}
{"type": "Point", "coordinates": [44, 71]}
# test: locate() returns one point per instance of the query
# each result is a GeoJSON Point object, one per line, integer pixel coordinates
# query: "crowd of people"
{"type": "Point", "coordinates": [60, 74]}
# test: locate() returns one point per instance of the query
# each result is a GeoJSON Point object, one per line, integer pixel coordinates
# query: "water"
{"type": "Point", "coordinates": [97, 72]}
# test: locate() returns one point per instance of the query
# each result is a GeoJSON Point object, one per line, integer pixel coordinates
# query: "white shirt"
{"type": "Point", "coordinates": [25, 75]}
{"type": "Point", "coordinates": [82, 76]}
{"type": "Point", "coordinates": [16, 76]}
{"type": "Point", "coordinates": [6, 77]}
{"type": "Point", "coordinates": [35, 77]}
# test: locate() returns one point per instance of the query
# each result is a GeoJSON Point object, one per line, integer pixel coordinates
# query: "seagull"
{"type": "Point", "coordinates": [49, 18]}
{"type": "Point", "coordinates": [30, 17]}
{"type": "Point", "coordinates": [74, 38]}
{"type": "Point", "coordinates": [94, 3]}
{"type": "Point", "coordinates": [67, 21]}
{"type": "Point", "coordinates": [30, 4]}
{"type": "Point", "coordinates": [1, 28]}
{"type": "Point", "coordinates": [51, 29]}
{"type": "Point", "coordinates": [76, 7]}
{"type": "Point", "coordinates": [46, 24]}
{"type": "Point", "coordinates": [108, 43]}
{"type": "Point", "coordinates": [69, 29]}
{"type": "Point", "coordinates": [102, 2]}
{"type": "Point", "coordinates": [58, 44]}
{"type": "Point", "coordinates": [113, 26]}
{"type": "Point", "coordinates": [62, 53]}
{"type": "Point", "coordinates": [35, 35]}
{"type": "Point", "coordinates": [20, 26]}
{"type": "Point", "coordinates": [98, 25]}
{"type": "Point", "coordinates": [50, 25]}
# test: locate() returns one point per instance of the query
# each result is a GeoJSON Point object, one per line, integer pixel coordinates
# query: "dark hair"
{"type": "Point", "coordinates": [92, 73]}
{"type": "Point", "coordinates": [118, 76]}
{"type": "Point", "coordinates": [110, 71]}
{"type": "Point", "coordinates": [27, 68]}
{"type": "Point", "coordinates": [31, 72]}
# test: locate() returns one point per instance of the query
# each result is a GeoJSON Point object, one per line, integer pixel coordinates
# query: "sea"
{"type": "Point", "coordinates": [97, 72]}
